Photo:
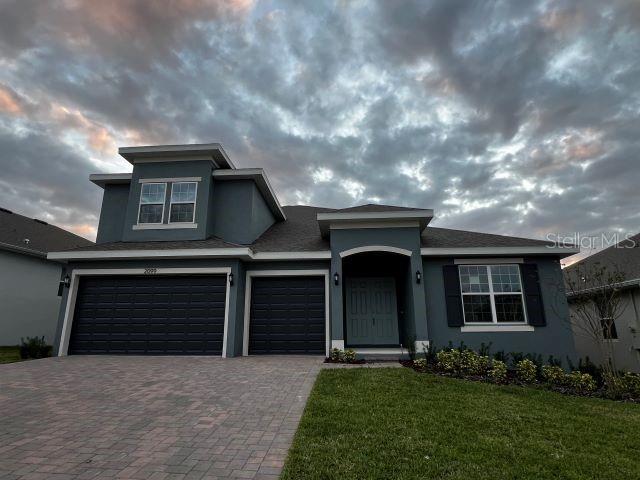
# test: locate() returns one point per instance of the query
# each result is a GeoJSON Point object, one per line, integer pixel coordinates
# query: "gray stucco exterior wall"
{"type": "Point", "coordinates": [112, 214]}
{"type": "Point", "coordinates": [238, 211]}
{"type": "Point", "coordinates": [556, 338]}
{"type": "Point", "coordinates": [28, 296]}
{"type": "Point", "coordinates": [195, 168]}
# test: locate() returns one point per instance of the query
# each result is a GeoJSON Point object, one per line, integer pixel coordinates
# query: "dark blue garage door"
{"type": "Point", "coordinates": [287, 316]}
{"type": "Point", "coordinates": [152, 315]}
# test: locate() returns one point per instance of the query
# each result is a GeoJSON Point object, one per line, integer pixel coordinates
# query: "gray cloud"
{"type": "Point", "coordinates": [510, 117]}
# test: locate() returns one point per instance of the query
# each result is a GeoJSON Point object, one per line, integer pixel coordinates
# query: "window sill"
{"type": "Point", "coordinates": [496, 328]}
{"type": "Point", "coordinates": [163, 226]}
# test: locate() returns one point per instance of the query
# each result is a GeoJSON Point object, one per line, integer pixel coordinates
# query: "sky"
{"type": "Point", "coordinates": [510, 117]}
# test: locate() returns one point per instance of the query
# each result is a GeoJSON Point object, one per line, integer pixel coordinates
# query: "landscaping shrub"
{"type": "Point", "coordinates": [449, 361]}
{"type": "Point", "coordinates": [581, 382]}
{"type": "Point", "coordinates": [34, 347]}
{"type": "Point", "coordinates": [498, 371]}
{"type": "Point", "coordinates": [349, 356]}
{"type": "Point", "coordinates": [420, 363]}
{"type": "Point", "coordinates": [630, 383]}
{"type": "Point", "coordinates": [462, 362]}
{"type": "Point", "coordinates": [335, 355]}
{"type": "Point", "coordinates": [552, 374]}
{"type": "Point", "coordinates": [526, 371]}
{"type": "Point", "coordinates": [472, 363]}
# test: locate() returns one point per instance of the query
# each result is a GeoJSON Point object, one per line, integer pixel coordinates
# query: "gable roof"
{"type": "Point", "coordinates": [372, 207]}
{"type": "Point", "coordinates": [623, 257]}
{"type": "Point", "coordinates": [34, 237]}
{"type": "Point", "coordinates": [434, 237]}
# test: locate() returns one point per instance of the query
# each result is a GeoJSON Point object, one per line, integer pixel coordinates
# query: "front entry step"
{"type": "Point", "coordinates": [382, 354]}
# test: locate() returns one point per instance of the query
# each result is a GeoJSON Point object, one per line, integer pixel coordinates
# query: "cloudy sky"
{"type": "Point", "coordinates": [509, 117]}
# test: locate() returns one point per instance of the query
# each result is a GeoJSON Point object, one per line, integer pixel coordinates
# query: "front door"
{"type": "Point", "coordinates": [371, 312]}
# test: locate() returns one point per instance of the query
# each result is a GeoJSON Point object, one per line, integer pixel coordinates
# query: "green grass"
{"type": "Point", "coordinates": [398, 424]}
{"type": "Point", "coordinates": [9, 354]}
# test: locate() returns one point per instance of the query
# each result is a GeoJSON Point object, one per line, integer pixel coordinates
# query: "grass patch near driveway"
{"type": "Point", "coordinates": [9, 354]}
{"type": "Point", "coordinates": [395, 423]}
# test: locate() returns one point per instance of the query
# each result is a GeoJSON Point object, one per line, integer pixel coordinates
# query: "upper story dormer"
{"type": "Point", "coordinates": [185, 192]}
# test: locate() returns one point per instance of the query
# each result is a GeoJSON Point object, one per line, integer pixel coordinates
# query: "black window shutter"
{"type": "Point", "coordinates": [533, 295]}
{"type": "Point", "coordinates": [452, 295]}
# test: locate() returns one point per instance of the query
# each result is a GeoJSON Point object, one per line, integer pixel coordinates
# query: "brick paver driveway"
{"type": "Point", "coordinates": [151, 417]}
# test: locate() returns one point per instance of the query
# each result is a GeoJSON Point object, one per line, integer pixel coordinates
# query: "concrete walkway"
{"type": "Point", "coordinates": [155, 418]}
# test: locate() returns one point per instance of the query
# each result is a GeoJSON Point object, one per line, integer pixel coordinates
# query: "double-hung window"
{"type": "Point", "coordinates": [152, 200]}
{"type": "Point", "coordinates": [491, 294]}
{"type": "Point", "coordinates": [183, 202]}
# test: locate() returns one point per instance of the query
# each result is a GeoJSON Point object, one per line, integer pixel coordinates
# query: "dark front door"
{"type": "Point", "coordinates": [371, 311]}
{"type": "Point", "coordinates": [287, 316]}
{"type": "Point", "coordinates": [154, 315]}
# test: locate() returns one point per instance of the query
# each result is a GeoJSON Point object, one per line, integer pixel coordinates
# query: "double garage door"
{"type": "Point", "coordinates": [185, 315]}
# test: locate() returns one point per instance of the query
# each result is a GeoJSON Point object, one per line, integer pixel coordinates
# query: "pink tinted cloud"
{"type": "Point", "coordinates": [10, 102]}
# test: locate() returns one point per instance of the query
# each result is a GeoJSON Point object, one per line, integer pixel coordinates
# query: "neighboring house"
{"type": "Point", "coordinates": [623, 257]}
{"type": "Point", "coordinates": [194, 256]}
{"type": "Point", "coordinates": [29, 301]}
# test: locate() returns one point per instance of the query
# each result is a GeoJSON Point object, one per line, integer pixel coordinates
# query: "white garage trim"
{"type": "Point", "coordinates": [375, 248]}
{"type": "Point", "coordinates": [283, 273]}
{"type": "Point", "coordinates": [73, 292]}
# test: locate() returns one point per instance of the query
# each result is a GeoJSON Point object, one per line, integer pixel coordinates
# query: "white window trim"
{"type": "Point", "coordinates": [170, 180]}
{"type": "Point", "coordinates": [163, 226]}
{"type": "Point", "coordinates": [164, 201]}
{"type": "Point", "coordinates": [69, 312]}
{"type": "Point", "coordinates": [284, 273]}
{"type": "Point", "coordinates": [492, 301]}
{"type": "Point", "coordinates": [171, 202]}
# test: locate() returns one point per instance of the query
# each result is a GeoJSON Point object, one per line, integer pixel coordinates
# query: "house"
{"type": "Point", "coordinates": [623, 335]}
{"type": "Point", "coordinates": [29, 300]}
{"type": "Point", "coordinates": [195, 256]}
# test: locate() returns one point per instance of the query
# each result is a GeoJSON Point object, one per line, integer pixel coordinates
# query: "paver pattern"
{"type": "Point", "coordinates": [86, 417]}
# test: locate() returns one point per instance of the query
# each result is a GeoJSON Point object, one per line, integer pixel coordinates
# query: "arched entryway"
{"type": "Point", "coordinates": [377, 297]}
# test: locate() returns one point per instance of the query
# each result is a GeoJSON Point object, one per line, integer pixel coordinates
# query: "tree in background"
{"type": "Point", "coordinates": [595, 294]}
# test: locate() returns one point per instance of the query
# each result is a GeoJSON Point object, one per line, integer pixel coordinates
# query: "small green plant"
{"type": "Point", "coordinates": [462, 362]}
{"type": "Point", "coordinates": [34, 347]}
{"type": "Point", "coordinates": [335, 355]}
{"type": "Point", "coordinates": [420, 363]}
{"type": "Point", "coordinates": [498, 371]}
{"type": "Point", "coordinates": [349, 356]}
{"type": "Point", "coordinates": [552, 374]}
{"type": "Point", "coordinates": [631, 384]}
{"type": "Point", "coordinates": [449, 361]}
{"type": "Point", "coordinates": [581, 382]}
{"type": "Point", "coordinates": [526, 371]}
{"type": "Point", "coordinates": [472, 363]}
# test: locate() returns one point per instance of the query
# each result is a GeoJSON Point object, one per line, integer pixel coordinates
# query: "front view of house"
{"type": "Point", "coordinates": [196, 257]}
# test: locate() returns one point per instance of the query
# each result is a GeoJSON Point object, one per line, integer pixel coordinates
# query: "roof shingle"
{"type": "Point", "coordinates": [35, 236]}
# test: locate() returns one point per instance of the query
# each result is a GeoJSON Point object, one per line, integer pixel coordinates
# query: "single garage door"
{"type": "Point", "coordinates": [287, 316]}
{"type": "Point", "coordinates": [152, 315]}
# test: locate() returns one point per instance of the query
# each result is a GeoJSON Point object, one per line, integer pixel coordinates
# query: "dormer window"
{"type": "Point", "coordinates": [152, 200]}
{"type": "Point", "coordinates": [183, 202]}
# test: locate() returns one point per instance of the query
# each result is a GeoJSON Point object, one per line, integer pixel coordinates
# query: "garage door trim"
{"type": "Point", "coordinates": [149, 272]}
{"type": "Point", "coordinates": [283, 273]}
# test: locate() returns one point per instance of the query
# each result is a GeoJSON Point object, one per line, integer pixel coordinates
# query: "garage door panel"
{"type": "Point", "coordinates": [287, 315]}
{"type": "Point", "coordinates": [177, 315]}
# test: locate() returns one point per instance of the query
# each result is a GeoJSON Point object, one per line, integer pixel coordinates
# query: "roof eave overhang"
{"type": "Point", "coordinates": [210, 151]}
{"type": "Point", "coordinates": [241, 253]}
{"type": "Point", "coordinates": [385, 219]}
{"type": "Point", "coordinates": [261, 181]}
{"type": "Point", "coordinates": [102, 179]}
{"type": "Point", "coordinates": [534, 250]}
{"type": "Point", "coordinates": [24, 251]}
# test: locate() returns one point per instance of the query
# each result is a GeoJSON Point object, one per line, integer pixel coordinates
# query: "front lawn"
{"type": "Point", "coordinates": [395, 423]}
{"type": "Point", "coordinates": [9, 354]}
